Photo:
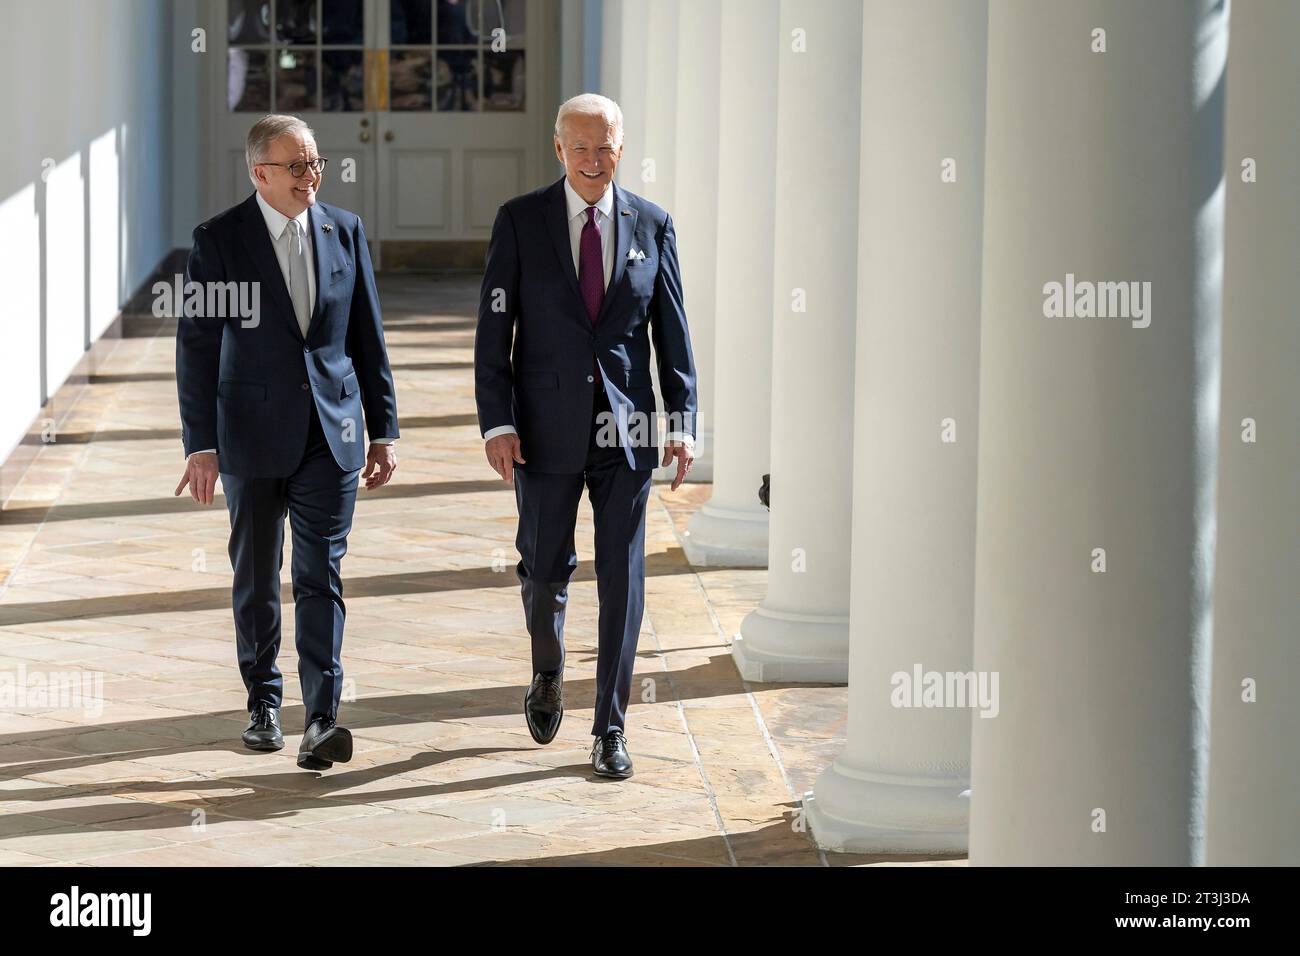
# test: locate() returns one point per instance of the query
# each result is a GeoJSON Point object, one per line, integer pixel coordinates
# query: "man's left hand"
{"type": "Point", "coordinates": [381, 462]}
{"type": "Point", "coordinates": [685, 456]}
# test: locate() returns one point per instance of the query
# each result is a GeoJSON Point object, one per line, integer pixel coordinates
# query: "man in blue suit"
{"type": "Point", "coordinates": [581, 276]}
{"type": "Point", "coordinates": [273, 402]}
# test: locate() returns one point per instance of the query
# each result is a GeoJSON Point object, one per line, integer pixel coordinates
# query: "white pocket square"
{"type": "Point", "coordinates": [636, 254]}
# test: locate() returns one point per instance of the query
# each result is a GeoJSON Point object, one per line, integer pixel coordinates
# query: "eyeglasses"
{"type": "Point", "coordinates": [299, 169]}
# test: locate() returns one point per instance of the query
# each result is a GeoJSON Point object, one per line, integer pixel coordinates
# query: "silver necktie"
{"type": "Point", "coordinates": [298, 290]}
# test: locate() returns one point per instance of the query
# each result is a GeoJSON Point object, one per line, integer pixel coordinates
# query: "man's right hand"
{"type": "Point", "coordinates": [201, 476]}
{"type": "Point", "coordinates": [502, 453]}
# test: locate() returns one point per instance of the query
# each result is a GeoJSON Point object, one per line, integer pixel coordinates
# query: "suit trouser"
{"type": "Point", "coordinates": [319, 498]}
{"type": "Point", "coordinates": [548, 511]}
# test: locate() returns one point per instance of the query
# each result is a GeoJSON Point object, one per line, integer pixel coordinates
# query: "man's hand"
{"type": "Point", "coordinates": [685, 456]}
{"type": "Point", "coordinates": [381, 462]}
{"type": "Point", "coordinates": [502, 453]}
{"type": "Point", "coordinates": [201, 476]}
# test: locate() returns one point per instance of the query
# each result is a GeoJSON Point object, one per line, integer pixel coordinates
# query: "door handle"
{"type": "Point", "coordinates": [389, 136]}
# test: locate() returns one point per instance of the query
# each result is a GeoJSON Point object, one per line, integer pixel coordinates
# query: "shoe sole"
{"type": "Point", "coordinates": [532, 731]}
{"type": "Point", "coordinates": [335, 746]}
{"type": "Point", "coordinates": [264, 747]}
{"type": "Point", "coordinates": [612, 775]}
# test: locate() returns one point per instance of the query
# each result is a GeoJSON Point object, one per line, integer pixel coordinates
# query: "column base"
{"type": "Point", "coordinates": [777, 646]}
{"type": "Point", "coordinates": [726, 537]}
{"type": "Point", "coordinates": [853, 811]}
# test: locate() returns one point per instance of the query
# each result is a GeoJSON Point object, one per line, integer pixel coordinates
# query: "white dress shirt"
{"type": "Point", "coordinates": [276, 224]}
{"type": "Point", "coordinates": [577, 210]}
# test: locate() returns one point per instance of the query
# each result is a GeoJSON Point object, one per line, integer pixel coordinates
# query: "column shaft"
{"type": "Point", "coordinates": [900, 783]}
{"type": "Point", "coordinates": [800, 632]}
{"type": "Point", "coordinates": [1097, 434]}
{"type": "Point", "coordinates": [731, 527]}
{"type": "Point", "coordinates": [1251, 817]}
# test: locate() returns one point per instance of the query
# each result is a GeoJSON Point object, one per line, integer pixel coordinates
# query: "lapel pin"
{"type": "Point", "coordinates": [326, 227]}
{"type": "Point", "coordinates": [624, 212]}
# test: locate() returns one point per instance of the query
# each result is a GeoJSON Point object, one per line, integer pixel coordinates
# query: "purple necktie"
{"type": "Point", "coordinates": [591, 270]}
{"type": "Point", "coordinates": [591, 266]}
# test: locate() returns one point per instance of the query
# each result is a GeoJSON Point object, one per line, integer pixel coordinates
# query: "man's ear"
{"type": "Point", "coordinates": [559, 150]}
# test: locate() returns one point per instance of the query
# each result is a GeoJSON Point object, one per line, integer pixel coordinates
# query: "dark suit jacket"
{"type": "Point", "coordinates": [247, 391]}
{"type": "Point", "coordinates": [534, 344]}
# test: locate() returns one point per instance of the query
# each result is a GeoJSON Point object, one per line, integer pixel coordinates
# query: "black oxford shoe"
{"type": "Point", "coordinates": [609, 756]}
{"type": "Point", "coordinates": [324, 743]}
{"type": "Point", "coordinates": [263, 730]}
{"type": "Point", "coordinates": [544, 707]}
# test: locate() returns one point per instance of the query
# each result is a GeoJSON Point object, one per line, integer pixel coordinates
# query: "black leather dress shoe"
{"type": "Point", "coordinates": [263, 730]}
{"type": "Point", "coordinates": [544, 707]}
{"type": "Point", "coordinates": [324, 743]}
{"type": "Point", "coordinates": [609, 756]}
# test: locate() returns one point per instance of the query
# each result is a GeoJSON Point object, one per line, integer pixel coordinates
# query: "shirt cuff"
{"type": "Point", "coordinates": [499, 430]}
{"type": "Point", "coordinates": [201, 451]}
{"type": "Point", "coordinates": [382, 441]}
{"type": "Point", "coordinates": [686, 438]}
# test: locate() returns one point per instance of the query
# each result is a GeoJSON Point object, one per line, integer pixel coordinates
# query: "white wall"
{"type": "Point", "coordinates": [85, 182]}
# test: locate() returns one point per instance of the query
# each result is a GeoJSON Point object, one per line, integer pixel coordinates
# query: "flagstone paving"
{"type": "Point", "coordinates": [105, 576]}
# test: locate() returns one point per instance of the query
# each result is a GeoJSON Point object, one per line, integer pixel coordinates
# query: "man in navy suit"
{"type": "Point", "coordinates": [274, 403]}
{"type": "Point", "coordinates": [581, 276]}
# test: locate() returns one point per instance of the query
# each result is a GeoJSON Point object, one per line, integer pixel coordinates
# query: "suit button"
{"type": "Point", "coordinates": [305, 386]}
{"type": "Point", "coordinates": [591, 378]}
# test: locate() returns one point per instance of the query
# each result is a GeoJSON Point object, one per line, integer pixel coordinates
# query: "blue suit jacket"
{"type": "Point", "coordinates": [247, 391]}
{"type": "Point", "coordinates": [534, 343]}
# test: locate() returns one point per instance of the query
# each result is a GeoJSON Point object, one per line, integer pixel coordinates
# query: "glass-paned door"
{"type": "Point", "coordinates": [464, 126]}
{"type": "Point", "coordinates": [431, 112]}
{"type": "Point", "coordinates": [308, 58]}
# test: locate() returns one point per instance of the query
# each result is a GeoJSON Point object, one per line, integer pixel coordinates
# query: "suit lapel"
{"type": "Point", "coordinates": [625, 217]}
{"type": "Point", "coordinates": [325, 246]}
{"type": "Point", "coordinates": [268, 266]}
{"type": "Point", "coordinates": [557, 224]}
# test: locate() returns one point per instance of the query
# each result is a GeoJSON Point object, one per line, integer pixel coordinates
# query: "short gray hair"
{"type": "Point", "coordinates": [265, 132]}
{"type": "Point", "coordinates": [591, 104]}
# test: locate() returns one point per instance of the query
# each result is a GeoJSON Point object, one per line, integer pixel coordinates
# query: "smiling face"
{"type": "Point", "coordinates": [590, 147]}
{"type": "Point", "coordinates": [276, 184]}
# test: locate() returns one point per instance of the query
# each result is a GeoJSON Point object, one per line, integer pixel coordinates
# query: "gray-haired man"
{"type": "Point", "coordinates": [274, 405]}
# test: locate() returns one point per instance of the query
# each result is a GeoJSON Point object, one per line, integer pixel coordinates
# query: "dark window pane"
{"type": "Point", "coordinates": [248, 21]}
{"type": "Point", "coordinates": [295, 80]}
{"type": "Point", "coordinates": [409, 83]}
{"type": "Point", "coordinates": [513, 24]}
{"type": "Point", "coordinates": [457, 80]}
{"type": "Point", "coordinates": [248, 85]}
{"type": "Point", "coordinates": [295, 21]}
{"type": "Point", "coordinates": [457, 21]}
{"type": "Point", "coordinates": [503, 80]}
{"type": "Point", "coordinates": [343, 81]}
{"type": "Point", "coordinates": [411, 22]}
{"type": "Point", "coordinates": [343, 22]}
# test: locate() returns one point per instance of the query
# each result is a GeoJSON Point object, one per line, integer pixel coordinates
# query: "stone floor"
{"type": "Point", "coordinates": [106, 576]}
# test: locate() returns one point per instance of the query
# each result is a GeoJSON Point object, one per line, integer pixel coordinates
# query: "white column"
{"type": "Point", "coordinates": [1251, 817]}
{"type": "Point", "coordinates": [900, 783]}
{"type": "Point", "coordinates": [800, 632]}
{"type": "Point", "coordinates": [730, 529]}
{"type": "Point", "coordinates": [695, 203]}
{"type": "Point", "coordinates": [658, 174]}
{"type": "Point", "coordinates": [1097, 436]}
{"type": "Point", "coordinates": [623, 77]}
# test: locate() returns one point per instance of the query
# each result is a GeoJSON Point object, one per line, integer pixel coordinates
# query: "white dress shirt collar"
{"type": "Point", "coordinates": [576, 204]}
{"type": "Point", "coordinates": [276, 221]}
